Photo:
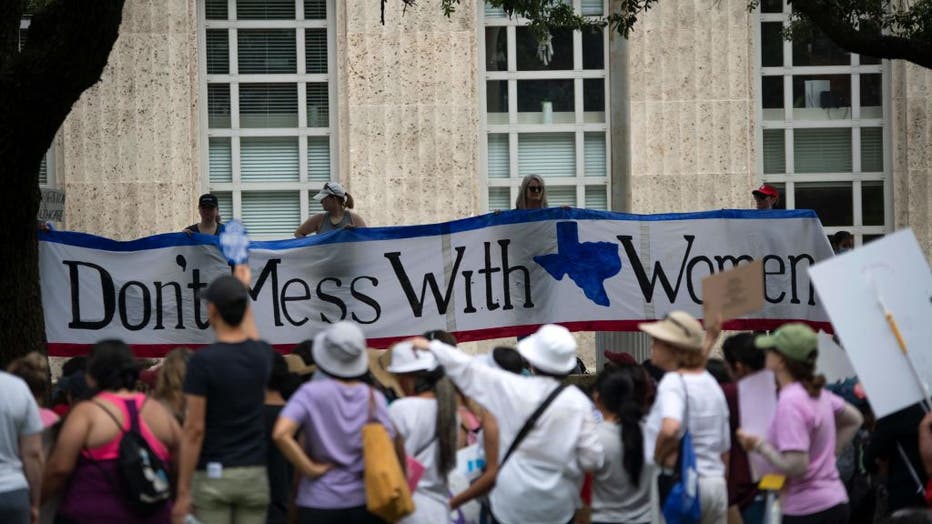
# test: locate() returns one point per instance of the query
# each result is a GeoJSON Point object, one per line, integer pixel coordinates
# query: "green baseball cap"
{"type": "Point", "coordinates": [794, 341]}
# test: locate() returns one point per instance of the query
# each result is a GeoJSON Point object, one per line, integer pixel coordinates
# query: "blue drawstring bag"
{"type": "Point", "coordinates": [682, 504]}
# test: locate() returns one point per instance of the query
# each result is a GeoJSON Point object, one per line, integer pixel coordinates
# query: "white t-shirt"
{"type": "Point", "coordinates": [614, 497]}
{"type": "Point", "coordinates": [708, 418]}
{"type": "Point", "coordinates": [415, 419]}
{"type": "Point", "coordinates": [19, 417]}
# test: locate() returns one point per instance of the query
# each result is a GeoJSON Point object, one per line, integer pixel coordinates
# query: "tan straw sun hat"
{"type": "Point", "coordinates": [678, 328]}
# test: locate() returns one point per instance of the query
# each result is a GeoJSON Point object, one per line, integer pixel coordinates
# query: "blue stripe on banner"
{"type": "Point", "coordinates": [401, 232]}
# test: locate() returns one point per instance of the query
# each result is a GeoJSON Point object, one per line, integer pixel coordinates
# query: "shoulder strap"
{"type": "Point", "coordinates": [685, 402]}
{"type": "Point", "coordinates": [371, 404]}
{"type": "Point", "coordinates": [110, 414]}
{"type": "Point", "coordinates": [529, 423]}
{"type": "Point", "coordinates": [423, 448]}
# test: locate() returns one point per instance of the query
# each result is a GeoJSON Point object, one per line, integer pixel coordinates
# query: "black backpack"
{"type": "Point", "coordinates": [143, 476]}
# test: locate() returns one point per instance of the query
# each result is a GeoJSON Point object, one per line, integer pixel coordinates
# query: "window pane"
{"type": "Point", "coordinates": [318, 107]}
{"type": "Point", "coordinates": [271, 213]}
{"type": "Point", "coordinates": [772, 98]}
{"type": "Point", "coordinates": [494, 12]}
{"type": "Point", "coordinates": [267, 51]}
{"type": "Point", "coordinates": [44, 170]}
{"type": "Point", "coordinates": [823, 97]}
{"type": "Point", "coordinates": [496, 49]}
{"type": "Point", "coordinates": [832, 201]}
{"type": "Point", "coordinates": [822, 151]}
{"type": "Point", "coordinates": [561, 196]}
{"type": "Point", "coordinates": [816, 49]}
{"type": "Point", "coordinates": [315, 51]}
{"type": "Point", "coordinates": [771, 6]}
{"type": "Point", "coordinates": [496, 101]}
{"type": "Point", "coordinates": [871, 96]}
{"type": "Point", "coordinates": [594, 151]}
{"type": "Point", "coordinates": [498, 155]}
{"type": "Point", "coordinates": [593, 49]}
{"type": "Point", "coordinates": [265, 9]}
{"type": "Point", "coordinates": [546, 101]}
{"type": "Point", "coordinates": [872, 212]}
{"type": "Point", "coordinates": [313, 206]}
{"type": "Point", "coordinates": [218, 106]}
{"type": "Point", "coordinates": [871, 149]}
{"type": "Point", "coordinates": [318, 158]}
{"type": "Point", "coordinates": [596, 198]}
{"type": "Point", "coordinates": [268, 105]}
{"type": "Point", "coordinates": [499, 198]}
{"type": "Point", "coordinates": [592, 7]}
{"type": "Point", "coordinates": [269, 159]}
{"type": "Point", "coordinates": [771, 44]}
{"type": "Point", "coordinates": [527, 56]}
{"type": "Point", "coordinates": [774, 151]}
{"type": "Point", "coordinates": [224, 205]}
{"type": "Point", "coordinates": [547, 154]}
{"type": "Point", "coordinates": [594, 100]}
{"type": "Point", "coordinates": [218, 52]}
{"type": "Point", "coordinates": [216, 9]}
{"type": "Point", "coordinates": [781, 188]}
{"type": "Point", "coordinates": [220, 160]}
{"type": "Point", "coordinates": [315, 9]}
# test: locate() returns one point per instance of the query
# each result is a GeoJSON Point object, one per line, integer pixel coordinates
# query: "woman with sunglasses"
{"type": "Point", "coordinates": [689, 398]}
{"type": "Point", "coordinates": [337, 215]}
{"type": "Point", "coordinates": [532, 194]}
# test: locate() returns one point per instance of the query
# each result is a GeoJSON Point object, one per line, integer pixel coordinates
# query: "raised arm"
{"type": "Point", "coordinates": [309, 226]}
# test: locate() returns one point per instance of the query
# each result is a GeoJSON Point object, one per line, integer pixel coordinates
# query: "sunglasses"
{"type": "Point", "coordinates": [535, 189]}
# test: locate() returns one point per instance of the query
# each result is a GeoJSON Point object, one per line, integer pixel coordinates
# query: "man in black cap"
{"type": "Point", "coordinates": [210, 222]}
{"type": "Point", "coordinates": [221, 472]}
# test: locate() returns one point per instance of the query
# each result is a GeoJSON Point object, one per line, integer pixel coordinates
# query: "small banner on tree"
{"type": "Point", "coordinates": [484, 277]}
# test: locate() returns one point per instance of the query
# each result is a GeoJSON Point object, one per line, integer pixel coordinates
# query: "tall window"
{"type": "Point", "coordinates": [546, 115]}
{"type": "Point", "coordinates": [825, 137]}
{"type": "Point", "coordinates": [267, 68]}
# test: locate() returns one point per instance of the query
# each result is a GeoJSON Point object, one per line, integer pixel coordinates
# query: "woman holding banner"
{"type": "Point", "coordinates": [532, 194]}
{"type": "Point", "coordinates": [337, 215]}
{"type": "Point", "coordinates": [809, 429]}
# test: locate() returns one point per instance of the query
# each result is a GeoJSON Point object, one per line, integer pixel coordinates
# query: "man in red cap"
{"type": "Point", "coordinates": [766, 196]}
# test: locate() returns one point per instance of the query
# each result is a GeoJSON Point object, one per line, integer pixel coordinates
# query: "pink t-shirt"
{"type": "Point", "coordinates": [803, 423]}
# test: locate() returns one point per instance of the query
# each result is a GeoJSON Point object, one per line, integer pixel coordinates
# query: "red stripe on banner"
{"type": "Point", "coordinates": [60, 349]}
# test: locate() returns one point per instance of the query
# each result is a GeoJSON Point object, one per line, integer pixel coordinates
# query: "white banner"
{"type": "Point", "coordinates": [483, 277]}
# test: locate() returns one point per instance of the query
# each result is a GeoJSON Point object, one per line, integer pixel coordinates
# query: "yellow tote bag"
{"type": "Point", "coordinates": [387, 493]}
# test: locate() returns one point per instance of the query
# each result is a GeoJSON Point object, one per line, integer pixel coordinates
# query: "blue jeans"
{"type": "Point", "coordinates": [753, 513]}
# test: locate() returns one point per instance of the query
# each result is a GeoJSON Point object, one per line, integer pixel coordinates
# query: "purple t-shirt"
{"type": "Point", "coordinates": [803, 423]}
{"type": "Point", "coordinates": [331, 414]}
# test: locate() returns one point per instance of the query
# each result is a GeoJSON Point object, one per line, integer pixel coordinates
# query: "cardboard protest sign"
{"type": "Point", "coordinates": [734, 293]}
{"type": "Point", "coordinates": [890, 274]}
{"type": "Point", "coordinates": [52, 206]}
{"type": "Point", "coordinates": [833, 362]}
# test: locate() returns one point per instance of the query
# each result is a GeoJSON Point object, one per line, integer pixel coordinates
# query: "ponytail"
{"type": "Point", "coordinates": [804, 373]}
{"type": "Point", "coordinates": [446, 423]}
{"type": "Point", "coordinates": [348, 201]}
{"type": "Point", "coordinates": [616, 389]}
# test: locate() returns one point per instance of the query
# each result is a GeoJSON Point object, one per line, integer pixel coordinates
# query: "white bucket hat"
{"type": "Point", "coordinates": [406, 359]}
{"type": "Point", "coordinates": [551, 349]}
{"type": "Point", "coordinates": [340, 351]}
{"type": "Point", "coordinates": [678, 328]}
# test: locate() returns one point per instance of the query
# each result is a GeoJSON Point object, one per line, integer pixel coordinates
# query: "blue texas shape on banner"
{"type": "Point", "coordinates": [588, 264]}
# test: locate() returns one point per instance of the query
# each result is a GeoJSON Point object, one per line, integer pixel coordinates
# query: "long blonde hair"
{"type": "Point", "coordinates": [168, 387]}
{"type": "Point", "coordinates": [521, 201]}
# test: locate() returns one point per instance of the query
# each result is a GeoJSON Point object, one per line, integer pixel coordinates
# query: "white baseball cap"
{"type": "Point", "coordinates": [551, 349]}
{"type": "Point", "coordinates": [331, 189]}
{"type": "Point", "coordinates": [406, 359]}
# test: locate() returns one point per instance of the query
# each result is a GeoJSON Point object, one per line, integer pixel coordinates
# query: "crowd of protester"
{"type": "Point", "coordinates": [237, 433]}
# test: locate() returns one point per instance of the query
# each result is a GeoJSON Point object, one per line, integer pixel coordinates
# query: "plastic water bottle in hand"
{"type": "Point", "coordinates": [234, 242]}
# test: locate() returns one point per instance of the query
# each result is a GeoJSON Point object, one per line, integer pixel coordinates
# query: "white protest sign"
{"type": "Point", "coordinates": [52, 206]}
{"type": "Point", "coordinates": [757, 404]}
{"type": "Point", "coordinates": [833, 362]}
{"type": "Point", "coordinates": [895, 270]}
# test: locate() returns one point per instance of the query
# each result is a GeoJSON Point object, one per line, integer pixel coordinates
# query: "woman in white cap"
{"type": "Point", "coordinates": [540, 482]}
{"type": "Point", "coordinates": [330, 413]}
{"type": "Point", "coordinates": [337, 215]}
{"type": "Point", "coordinates": [681, 347]}
{"type": "Point", "coordinates": [426, 420]}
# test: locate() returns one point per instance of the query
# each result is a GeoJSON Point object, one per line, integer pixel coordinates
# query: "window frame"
{"type": "Point", "coordinates": [304, 187]}
{"type": "Point", "coordinates": [855, 123]}
{"type": "Point", "coordinates": [579, 128]}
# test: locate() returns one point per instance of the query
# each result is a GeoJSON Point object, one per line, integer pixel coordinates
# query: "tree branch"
{"type": "Point", "coordinates": [864, 42]}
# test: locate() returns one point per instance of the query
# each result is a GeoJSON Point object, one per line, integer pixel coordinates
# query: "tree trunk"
{"type": "Point", "coordinates": [65, 53]}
